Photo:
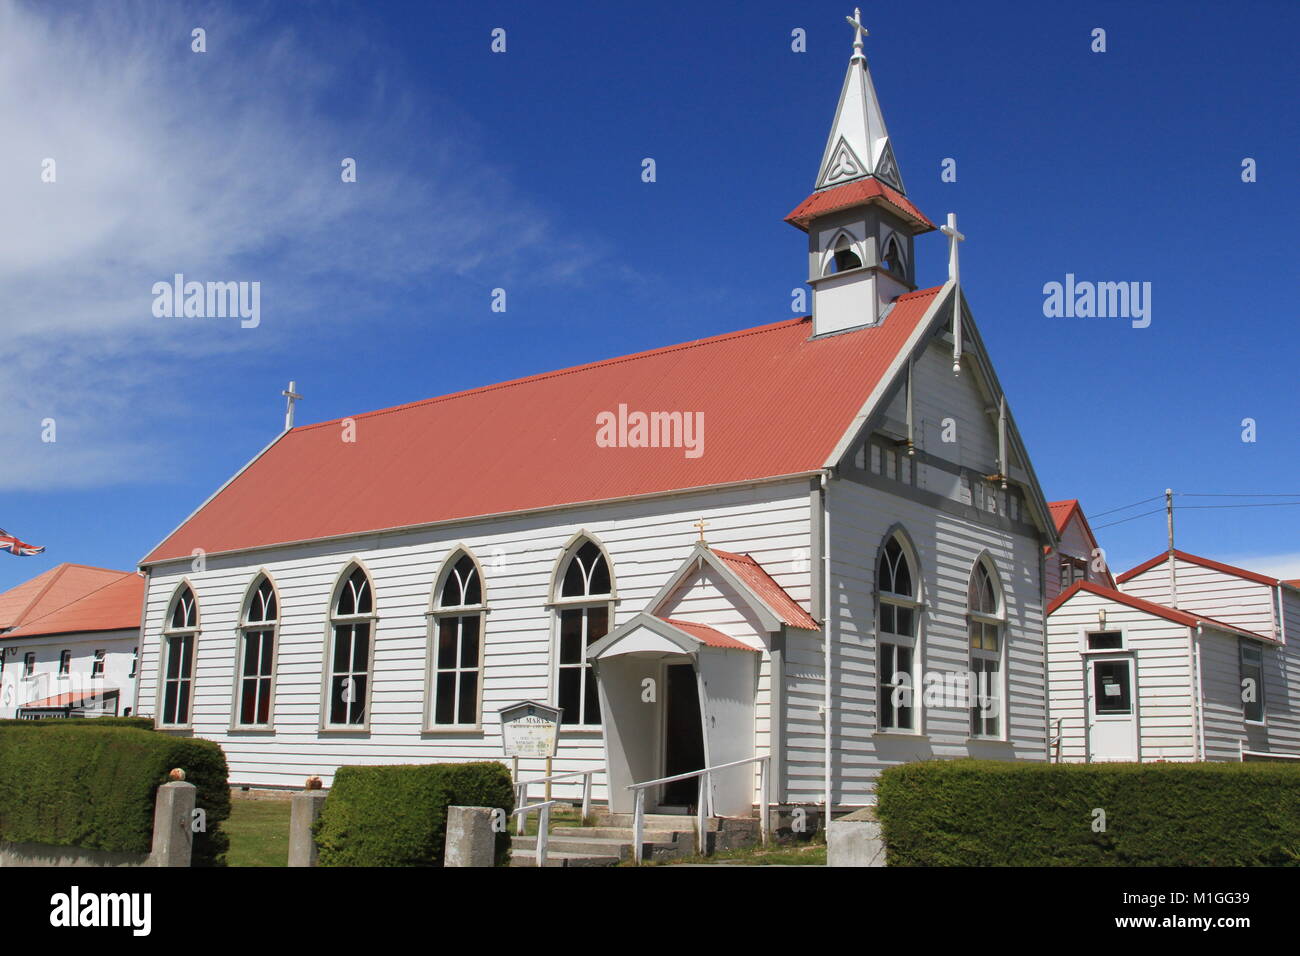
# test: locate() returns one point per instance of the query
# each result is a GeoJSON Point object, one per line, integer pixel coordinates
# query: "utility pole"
{"type": "Point", "coordinates": [1173, 577]}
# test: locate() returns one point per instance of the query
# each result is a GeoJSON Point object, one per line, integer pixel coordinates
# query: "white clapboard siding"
{"type": "Point", "coordinates": [947, 547]}
{"type": "Point", "coordinates": [1217, 594]}
{"type": "Point", "coordinates": [1162, 661]}
{"type": "Point", "coordinates": [647, 541]}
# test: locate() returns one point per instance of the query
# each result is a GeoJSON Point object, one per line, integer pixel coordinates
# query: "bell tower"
{"type": "Point", "coordinates": [859, 221]}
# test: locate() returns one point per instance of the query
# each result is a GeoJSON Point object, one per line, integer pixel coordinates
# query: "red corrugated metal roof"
{"type": "Point", "coordinates": [1203, 562]}
{"type": "Point", "coordinates": [51, 590]}
{"type": "Point", "coordinates": [774, 403]}
{"type": "Point", "coordinates": [764, 585]}
{"type": "Point", "coordinates": [1186, 618]}
{"type": "Point", "coordinates": [1061, 511]}
{"type": "Point", "coordinates": [707, 635]}
{"type": "Point", "coordinates": [857, 194]}
{"type": "Point", "coordinates": [115, 606]}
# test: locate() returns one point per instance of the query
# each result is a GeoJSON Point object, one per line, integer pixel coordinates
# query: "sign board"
{"type": "Point", "coordinates": [530, 729]}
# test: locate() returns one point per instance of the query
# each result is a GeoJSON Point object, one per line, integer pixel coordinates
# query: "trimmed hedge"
{"type": "Point", "coordinates": [81, 783]}
{"type": "Point", "coordinates": [139, 723]}
{"type": "Point", "coordinates": [990, 813]}
{"type": "Point", "coordinates": [397, 815]}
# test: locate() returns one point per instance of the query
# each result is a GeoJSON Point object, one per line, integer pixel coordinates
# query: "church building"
{"type": "Point", "coordinates": [816, 540]}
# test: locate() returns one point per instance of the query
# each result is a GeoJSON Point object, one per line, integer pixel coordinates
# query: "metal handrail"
{"type": "Point", "coordinates": [705, 799]}
{"type": "Point", "coordinates": [521, 789]}
{"type": "Point", "coordinates": [543, 825]}
{"type": "Point", "coordinates": [1056, 741]}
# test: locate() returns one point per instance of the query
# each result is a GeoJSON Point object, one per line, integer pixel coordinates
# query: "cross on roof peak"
{"type": "Point", "coordinates": [859, 31]}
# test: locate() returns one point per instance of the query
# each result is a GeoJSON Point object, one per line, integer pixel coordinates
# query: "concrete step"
{"type": "Point", "coordinates": [523, 857]}
{"type": "Point", "coordinates": [592, 846]}
{"type": "Point", "coordinates": [656, 835]}
{"type": "Point", "coordinates": [653, 821]}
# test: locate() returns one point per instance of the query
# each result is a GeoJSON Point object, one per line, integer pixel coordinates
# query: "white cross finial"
{"type": "Point", "coordinates": [859, 31]}
{"type": "Point", "coordinates": [954, 276]}
{"type": "Point", "coordinates": [701, 524]}
{"type": "Point", "coordinates": [954, 237]}
{"type": "Point", "coordinates": [292, 396]}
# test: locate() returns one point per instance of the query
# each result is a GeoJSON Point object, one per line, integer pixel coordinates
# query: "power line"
{"type": "Point", "coordinates": [1154, 511]}
{"type": "Point", "coordinates": [1192, 494]}
{"type": "Point", "coordinates": [1257, 504]}
{"type": "Point", "coordinates": [1102, 514]}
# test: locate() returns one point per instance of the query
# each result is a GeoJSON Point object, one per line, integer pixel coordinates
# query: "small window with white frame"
{"type": "Point", "coordinates": [65, 663]}
{"type": "Point", "coordinates": [29, 664]}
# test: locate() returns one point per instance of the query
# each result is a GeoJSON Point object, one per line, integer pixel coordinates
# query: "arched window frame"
{"type": "Point", "coordinates": [178, 659]}
{"type": "Point", "coordinates": [986, 638]}
{"type": "Point", "coordinates": [456, 622]}
{"type": "Point", "coordinates": [591, 615]}
{"type": "Point", "coordinates": [259, 636]}
{"type": "Point", "coordinates": [892, 242]}
{"type": "Point", "coordinates": [898, 644]}
{"type": "Point", "coordinates": [348, 627]}
{"type": "Point", "coordinates": [844, 241]}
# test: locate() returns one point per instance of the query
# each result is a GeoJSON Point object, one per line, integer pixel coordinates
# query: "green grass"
{"type": "Point", "coordinates": [775, 854]}
{"type": "Point", "coordinates": [259, 832]}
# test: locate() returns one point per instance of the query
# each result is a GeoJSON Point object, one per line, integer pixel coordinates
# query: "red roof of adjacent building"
{"type": "Point", "coordinates": [1186, 618]}
{"type": "Point", "coordinates": [53, 589]}
{"type": "Point", "coordinates": [786, 608]}
{"type": "Point", "coordinates": [115, 606]}
{"type": "Point", "coordinates": [1061, 511]}
{"type": "Point", "coordinates": [1203, 562]}
{"type": "Point", "coordinates": [774, 402]}
{"type": "Point", "coordinates": [707, 635]}
{"type": "Point", "coordinates": [857, 193]}
{"type": "Point", "coordinates": [72, 698]}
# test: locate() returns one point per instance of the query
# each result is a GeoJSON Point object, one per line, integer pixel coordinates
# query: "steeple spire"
{"type": "Point", "coordinates": [859, 145]}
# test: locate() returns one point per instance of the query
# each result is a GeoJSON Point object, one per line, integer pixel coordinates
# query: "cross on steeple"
{"type": "Point", "coordinates": [701, 524]}
{"type": "Point", "coordinates": [954, 276]}
{"type": "Point", "coordinates": [293, 397]}
{"type": "Point", "coordinates": [859, 31]}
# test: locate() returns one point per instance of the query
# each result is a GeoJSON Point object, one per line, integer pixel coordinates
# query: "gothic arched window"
{"type": "Point", "coordinates": [584, 605]}
{"type": "Point", "coordinates": [180, 636]}
{"type": "Point", "coordinates": [985, 618]}
{"type": "Point", "coordinates": [256, 674]}
{"type": "Point", "coordinates": [456, 645]}
{"type": "Point", "coordinates": [352, 618]}
{"type": "Point", "coordinates": [897, 635]}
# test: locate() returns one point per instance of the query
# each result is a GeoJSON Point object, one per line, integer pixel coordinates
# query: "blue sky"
{"type": "Point", "coordinates": [522, 170]}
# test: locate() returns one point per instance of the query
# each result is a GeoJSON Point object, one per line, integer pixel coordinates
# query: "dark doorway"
{"type": "Point", "coordinates": [684, 735]}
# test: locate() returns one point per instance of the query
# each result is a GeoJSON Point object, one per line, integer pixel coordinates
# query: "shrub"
{"type": "Point", "coordinates": [67, 783]}
{"type": "Point", "coordinates": [139, 723]}
{"type": "Point", "coordinates": [988, 813]}
{"type": "Point", "coordinates": [397, 815]}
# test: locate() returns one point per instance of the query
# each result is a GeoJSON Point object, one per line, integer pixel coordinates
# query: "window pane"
{"type": "Point", "coordinates": [252, 645]}
{"type": "Point", "coordinates": [338, 706]}
{"type": "Point", "coordinates": [248, 709]}
{"type": "Point", "coordinates": [571, 636]}
{"type": "Point", "coordinates": [887, 619]}
{"type": "Point", "coordinates": [447, 628]}
{"type": "Point", "coordinates": [591, 715]}
{"type": "Point", "coordinates": [569, 690]}
{"type": "Point", "coordinates": [597, 623]}
{"type": "Point", "coordinates": [187, 653]}
{"type": "Point", "coordinates": [360, 647]}
{"type": "Point", "coordinates": [903, 621]}
{"type": "Point", "coordinates": [446, 710]}
{"type": "Point", "coordinates": [469, 641]}
{"type": "Point", "coordinates": [469, 697]}
{"type": "Point", "coordinates": [599, 574]}
{"type": "Point", "coordinates": [169, 703]}
{"type": "Point", "coordinates": [358, 698]}
{"type": "Point", "coordinates": [264, 701]}
{"type": "Point", "coordinates": [1112, 687]}
{"type": "Point", "coordinates": [473, 587]}
{"type": "Point", "coordinates": [342, 647]}
{"type": "Point", "coordinates": [575, 584]}
{"type": "Point", "coordinates": [183, 702]}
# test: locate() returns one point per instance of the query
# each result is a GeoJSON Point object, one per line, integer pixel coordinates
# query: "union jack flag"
{"type": "Point", "coordinates": [21, 548]}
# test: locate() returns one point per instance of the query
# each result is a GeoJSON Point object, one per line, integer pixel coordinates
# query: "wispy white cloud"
{"type": "Point", "coordinates": [1284, 565]}
{"type": "Point", "coordinates": [222, 166]}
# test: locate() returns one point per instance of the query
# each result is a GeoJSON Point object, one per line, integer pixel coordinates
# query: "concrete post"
{"type": "Point", "coordinates": [470, 840]}
{"type": "Point", "coordinates": [173, 832]}
{"type": "Point", "coordinates": [855, 840]}
{"type": "Point", "coordinates": [304, 811]}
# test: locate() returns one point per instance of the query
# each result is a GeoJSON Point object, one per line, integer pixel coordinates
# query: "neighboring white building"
{"type": "Point", "coordinates": [1192, 660]}
{"type": "Point", "coordinates": [69, 642]}
{"type": "Point", "coordinates": [376, 589]}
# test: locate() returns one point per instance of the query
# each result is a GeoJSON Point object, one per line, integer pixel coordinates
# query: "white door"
{"type": "Point", "coordinates": [1112, 709]}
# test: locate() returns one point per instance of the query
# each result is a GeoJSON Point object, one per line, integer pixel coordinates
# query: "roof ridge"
{"type": "Point", "coordinates": [573, 369]}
